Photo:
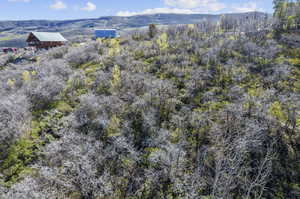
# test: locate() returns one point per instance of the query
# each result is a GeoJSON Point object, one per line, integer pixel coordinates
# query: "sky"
{"type": "Point", "coordinates": [76, 9]}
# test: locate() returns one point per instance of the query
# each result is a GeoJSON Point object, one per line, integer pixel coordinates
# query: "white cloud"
{"type": "Point", "coordinates": [246, 7]}
{"type": "Point", "coordinates": [25, 1]}
{"type": "Point", "coordinates": [89, 7]}
{"type": "Point", "coordinates": [156, 11]}
{"type": "Point", "coordinates": [205, 5]}
{"type": "Point", "coordinates": [58, 5]}
{"type": "Point", "coordinates": [181, 7]}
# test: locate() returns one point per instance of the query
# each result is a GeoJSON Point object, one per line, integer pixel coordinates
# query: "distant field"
{"type": "Point", "coordinates": [6, 38]}
{"type": "Point", "coordinates": [12, 39]}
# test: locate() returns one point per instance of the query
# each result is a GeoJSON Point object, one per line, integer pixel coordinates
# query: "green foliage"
{"type": "Point", "coordinates": [162, 42]}
{"type": "Point", "coordinates": [64, 107]}
{"type": "Point", "coordinates": [21, 155]}
{"type": "Point", "coordinates": [291, 21]}
{"type": "Point", "coordinates": [27, 148]}
{"type": "Point", "coordinates": [116, 78]}
{"type": "Point", "coordinates": [114, 47]}
{"type": "Point", "coordinates": [176, 135]}
{"type": "Point", "coordinates": [11, 83]}
{"type": "Point", "coordinates": [255, 91]}
{"type": "Point", "coordinates": [26, 76]}
{"type": "Point", "coordinates": [88, 65]}
{"type": "Point", "coordinates": [139, 54]}
{"type": "Point", "coordinates": [113, 128]}
{"type": "Point", "coordinates": [286, 15]}
{"type": "Point", "coordinates": [74, 87]}
{"type": "Point", "coordinates": [276, 111]}
{"type": "Point", "coordinates": [262, 62]}
{"type": "Point", "coordinates": [294, 61]}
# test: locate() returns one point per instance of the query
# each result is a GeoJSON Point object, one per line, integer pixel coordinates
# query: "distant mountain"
{"type": "Point", "coordinates": [111, 22]}
{"type": "Point", "coordinates": [12, 33]}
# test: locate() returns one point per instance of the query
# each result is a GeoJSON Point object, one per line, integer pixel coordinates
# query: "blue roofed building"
{"type": "Point", "coordinates": [105, 33]}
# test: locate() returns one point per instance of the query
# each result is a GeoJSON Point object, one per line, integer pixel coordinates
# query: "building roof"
{"type": "Point", "coordinates": [105, 29]}
{"type": "Point", "coordinates": [49, 36]}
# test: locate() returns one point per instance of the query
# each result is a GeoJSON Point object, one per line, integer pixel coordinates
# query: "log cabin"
{"type": "Point", "coordinates": [45, 40]}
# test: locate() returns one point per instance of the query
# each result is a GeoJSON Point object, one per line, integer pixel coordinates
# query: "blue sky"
{"type": "Point", "coordinates": [74, 9]}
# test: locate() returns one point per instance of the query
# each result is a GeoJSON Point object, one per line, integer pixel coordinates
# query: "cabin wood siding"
{"type": "Point", "coordinates": [33, 41]}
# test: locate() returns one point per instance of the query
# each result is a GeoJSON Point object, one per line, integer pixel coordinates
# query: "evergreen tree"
{"type": "Point", "coordinates": [277, 4]}
{"type": "Point", "coordinates": [279, 14]}
{"type": "Point", "coordinates": [152, 30]}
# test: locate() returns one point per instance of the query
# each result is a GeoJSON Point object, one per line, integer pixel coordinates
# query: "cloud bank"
{"type": "Point", "coordinates": [89, 7]}
{"type": "Point", "coordinates": [181, 7]}
{"type": "Point", "coordinates": [58, 5]}
{"type": "Point", "coordinates": [195, 7]}
{"type": "Point", "coordinates": [246, 7]}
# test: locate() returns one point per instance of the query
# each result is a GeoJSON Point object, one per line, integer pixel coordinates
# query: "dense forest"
{"type": "Point", "coordinates": [208, 111]}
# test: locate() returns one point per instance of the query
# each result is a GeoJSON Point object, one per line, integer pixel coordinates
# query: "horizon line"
{"type": "Point", "coordinates": [89, 18]}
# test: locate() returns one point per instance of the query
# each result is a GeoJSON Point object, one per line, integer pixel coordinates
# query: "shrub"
{"type": "Point", "coordinates": [14, 118]}
{"type": "Point", "coordinates": [4, 59]}
{"type": "Point", "coordinates": [58, 53]}
{"type": "Point", "coordinates": [82, 55]}
{"type": "Point", "coordinates": [43, 95]}
{"type": "Point", "coordinates": [58, 68]}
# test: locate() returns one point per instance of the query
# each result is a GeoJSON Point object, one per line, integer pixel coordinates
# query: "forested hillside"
{"type": "Point", "coordinates": [204, 111]}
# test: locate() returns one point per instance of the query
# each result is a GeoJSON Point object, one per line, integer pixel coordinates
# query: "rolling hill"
{"type": "Point", "coordinates": [13, 33]}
